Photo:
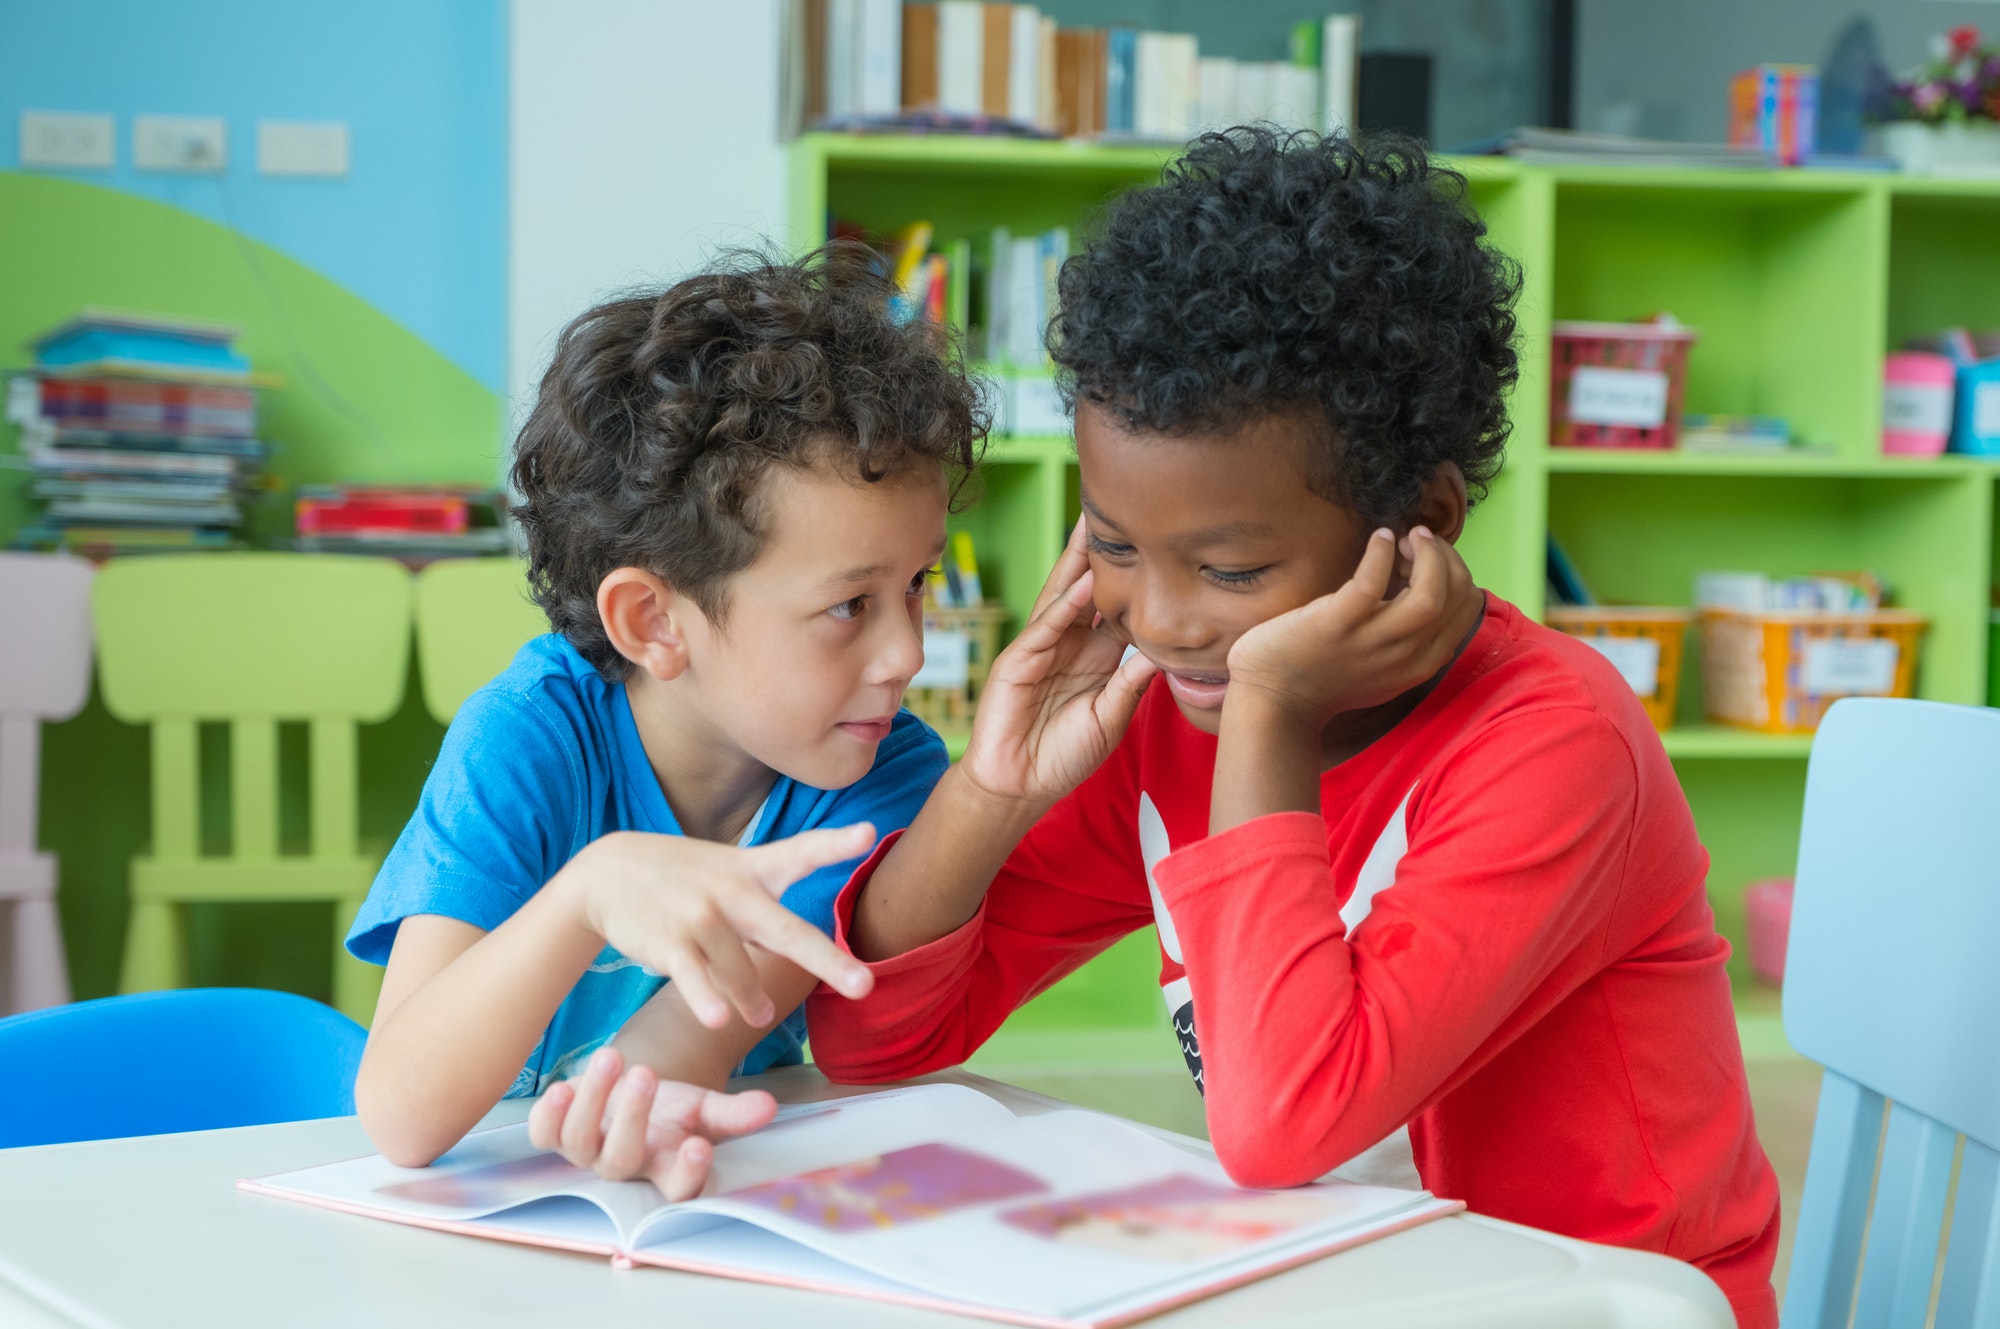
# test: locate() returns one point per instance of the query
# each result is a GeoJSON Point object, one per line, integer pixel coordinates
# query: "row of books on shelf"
{"type": "Point", "coordinates": [970, 65]}
{"type": "Point", "coordinates": [999, 293]}
{"type": "Point", "coordinates": [139, 433]}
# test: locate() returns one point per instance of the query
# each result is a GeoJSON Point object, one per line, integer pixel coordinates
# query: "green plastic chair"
{"type": "Point", "coordinates": [473, 614]}
{"type": "Point", "coordinates": [250, 640]}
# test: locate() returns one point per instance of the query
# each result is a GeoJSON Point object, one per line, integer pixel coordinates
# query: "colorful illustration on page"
{"type": "Point", "coordinates": [904, 1186]}
{"type": "Point", "coordinates": [1177, 1218]}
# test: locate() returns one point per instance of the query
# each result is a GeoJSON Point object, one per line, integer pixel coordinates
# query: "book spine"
{"type": "Point", "coordinates": [1339, 65]}
{"type": "Point", "coordinates": [1024, 65]}
{"type": "Point", "coordinates": [920, 57]}
{"type": "Point", "coordinates": [996, 57]}
{"type": "Point", "coordinates": [843, 22]}
{"type": "Point", "coordinates": [881, 92]}
{"type": "Point", "coordinates": [960, 60]}
{"type": "Point", "coordinates": [1121, 57]}
{"type": "Point", "coordinates": [1045, 85]}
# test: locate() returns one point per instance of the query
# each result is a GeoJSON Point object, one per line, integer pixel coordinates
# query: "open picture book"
{"type": "Point", "coordinates": [932, 1195]}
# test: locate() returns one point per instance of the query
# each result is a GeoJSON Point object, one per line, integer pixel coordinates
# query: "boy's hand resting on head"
{"type": "Point", "coordinates": [1057, 700]}
{"type": "Point", "coordinates": [689, 909]}
{"type": "Point", "coordinates": [633, 1124]}
{"type": "Point", "coordinates": [1360, 646]}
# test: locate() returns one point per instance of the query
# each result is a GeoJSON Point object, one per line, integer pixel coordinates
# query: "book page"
{"type": "Point", "coordinates": [957, 1206]}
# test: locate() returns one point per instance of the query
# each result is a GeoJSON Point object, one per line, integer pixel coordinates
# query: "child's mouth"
{"type": "Point", "coordinates": [1203, 692]}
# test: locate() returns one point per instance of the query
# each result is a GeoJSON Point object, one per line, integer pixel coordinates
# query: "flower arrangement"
{"type": "Point", "coordinates": [1962, 84]}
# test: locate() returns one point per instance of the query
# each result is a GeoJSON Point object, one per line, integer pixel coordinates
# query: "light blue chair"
{"type": "Point", "coordinates": [156, 1062]}
{"type": "Point", "coordinates": [1892, 982]}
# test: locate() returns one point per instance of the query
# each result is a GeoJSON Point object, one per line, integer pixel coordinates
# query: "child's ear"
{"type": "Point", "coordinates": [645, 620]}
{"type": "Point", "coordinates": [1443, 503]}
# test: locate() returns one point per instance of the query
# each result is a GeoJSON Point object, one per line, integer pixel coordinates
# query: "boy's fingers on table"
{"type": "Point", "coordinates": [624, 1151]}
{"type": "Point", "coordinates": [545, 1118]}
{"type": "Point", "coordinates": [686, 1172]}
{"type": "Point", "coordinates": [694, 1110]}
{"type": "Point", "coordinates": [583, 1125]}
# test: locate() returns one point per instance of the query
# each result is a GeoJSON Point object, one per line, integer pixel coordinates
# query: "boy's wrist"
{"type": "Point", "coordinates": [978, 807]}
{"type": "Point", "coordinates": [1267, 760]}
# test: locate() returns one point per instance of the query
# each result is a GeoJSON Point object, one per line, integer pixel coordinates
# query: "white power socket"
{"type": "Point", "coordinates": [197, 144]}
{"type": "Point", "coordinates": [63, 138]}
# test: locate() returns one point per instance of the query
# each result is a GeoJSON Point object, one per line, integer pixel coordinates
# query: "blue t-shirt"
{"type": "Point", "coordinates": [545, 759]}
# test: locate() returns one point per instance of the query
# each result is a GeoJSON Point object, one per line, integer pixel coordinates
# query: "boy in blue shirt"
{"type": "Point", "coordinates": [733, 493]}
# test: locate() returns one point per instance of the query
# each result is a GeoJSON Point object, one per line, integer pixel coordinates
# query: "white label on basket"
{"type": "Point", "coordinates": [1637, 659]}
{"type": "Point", "coordinates": [947, 661]}
{"type": "Point", "coordinates": [1986, 409]}
{"type": "Point", "coordinates": [1846, 667]}
{"type": "Point", "coordinates": [1600, 396]}
{"type": "Point", "coordinates": [1917, 408]}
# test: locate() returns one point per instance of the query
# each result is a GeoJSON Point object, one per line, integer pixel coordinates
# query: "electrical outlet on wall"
{"type": "Point", "coordinates": [188, 143]}
{"type": "Point", "coordinates": [63, 138]}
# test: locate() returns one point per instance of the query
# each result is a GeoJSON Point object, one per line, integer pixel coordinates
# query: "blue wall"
{"type": "Point", "coordinates": [418, 228]}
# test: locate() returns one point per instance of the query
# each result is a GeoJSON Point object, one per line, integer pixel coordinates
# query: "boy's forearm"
{"type": "Point", "coordinates": [933, 878]}
{"type": "Point", "coordinates": [440, 1056]}
{"type": "Point", "coordinates": [1266, 761]}
{"type": "Point", "coordinates": [665, 1035]}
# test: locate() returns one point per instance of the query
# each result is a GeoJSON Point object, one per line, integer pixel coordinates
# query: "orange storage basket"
{"type": "Point", "coordinates": [1778, 671]}
{"type": "Point", "coordinates": [1666, 629]}
{"type": "Point", "coordinates": [949, 710]}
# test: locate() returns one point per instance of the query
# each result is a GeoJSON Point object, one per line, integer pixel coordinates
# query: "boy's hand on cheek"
{"type": "Point", "coordinates": [1058, 699]}
{"type": "Point", "coordinates": [1355, 648]}
{"type": "Point", "coordinates": [632, 1125]}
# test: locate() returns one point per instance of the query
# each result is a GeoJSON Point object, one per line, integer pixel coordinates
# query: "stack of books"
{"type": "Point", "coordinates": [415, 525]}
{"type": "Point", "coordinates": [139, 433]}
{"type": "Point", "coordinates": [973, 66]}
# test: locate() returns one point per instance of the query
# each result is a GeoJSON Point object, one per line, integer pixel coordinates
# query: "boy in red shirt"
{"type": "Point", "coordinates": [1414, 859]}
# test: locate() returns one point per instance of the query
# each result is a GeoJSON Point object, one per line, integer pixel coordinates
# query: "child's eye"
{"type": "Point", "coordinates": [1247, 577]}
{"type": "Point", "coordinates": [923, 579]}
{"type": "Point", "coordinates": [849, 609]}
{"type": "Point", "coordinates": [1098, 545]}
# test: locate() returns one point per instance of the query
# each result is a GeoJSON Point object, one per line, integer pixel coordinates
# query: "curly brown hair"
{"type": "Point", "coordinates": [661, 411]}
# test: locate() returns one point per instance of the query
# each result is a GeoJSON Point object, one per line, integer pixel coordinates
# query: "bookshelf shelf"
{"type": "Point", "coordinates": [1704, 741]}
{"type": "Point", "coordinates": [1798, 281]}
{"type": "Point", "coordinates": [1586, 461]}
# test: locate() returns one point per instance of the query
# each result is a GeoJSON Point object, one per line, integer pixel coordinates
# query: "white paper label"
{"type": "Point", "coordinates": [1637, 660]}
{"type": "Point", "coordinates": [1600, 396]}
{"type": "Point", "coordinates": [947, 661]}
{"type": "Point", "coordinates": [1850, 667]}
{"type": "Point", "coordinates": [1917, 408]}
{"type": "Point", "coordinates": [1986, 410]}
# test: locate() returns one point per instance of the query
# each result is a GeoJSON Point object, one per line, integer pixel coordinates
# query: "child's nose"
{"type": "Point", "coordinates": [1160, 618]}
{"type": "Point", "coordinates": [902, 654]}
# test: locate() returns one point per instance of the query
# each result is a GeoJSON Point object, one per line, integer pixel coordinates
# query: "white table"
{"type": "Point", "coordinates": [152, 1231]}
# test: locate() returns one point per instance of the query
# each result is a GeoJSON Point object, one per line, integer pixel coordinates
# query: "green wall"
{"type": "Point", "coordinates": [362, 399]}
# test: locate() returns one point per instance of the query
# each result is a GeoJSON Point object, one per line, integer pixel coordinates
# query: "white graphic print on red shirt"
{"type": "Point", "coordinates": [1378, 873]}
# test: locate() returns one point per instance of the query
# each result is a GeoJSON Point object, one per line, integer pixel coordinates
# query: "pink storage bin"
{"type": "Point", "coordinates": [1767, 911]}
{"type": "Point", "coordinates": [1618, 385]}
{"type": "Point", "coordinates": [1916, 403]}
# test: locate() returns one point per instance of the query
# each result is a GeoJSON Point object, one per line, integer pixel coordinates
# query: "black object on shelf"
{"type": "Point", "coordinates": [1395, 93]}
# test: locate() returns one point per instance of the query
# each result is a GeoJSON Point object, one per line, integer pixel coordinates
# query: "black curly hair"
{"type": "Point", "coordinates": [661, 410]}
{"type": "Point", "coordinates": [1274, 272]}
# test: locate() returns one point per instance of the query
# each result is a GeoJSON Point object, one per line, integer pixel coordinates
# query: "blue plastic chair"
{"type": "Point", "coordinates": [157, 1062]}
{"type": "Point", "coordinates": [1892, 982]}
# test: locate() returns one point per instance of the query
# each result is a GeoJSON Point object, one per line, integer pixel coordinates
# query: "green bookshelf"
{"type": "Point", "coordinates": [1798, 282]}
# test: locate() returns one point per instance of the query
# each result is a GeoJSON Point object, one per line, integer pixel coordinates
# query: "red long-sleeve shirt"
{"type": "Point", "coordinates": [1495, 931]}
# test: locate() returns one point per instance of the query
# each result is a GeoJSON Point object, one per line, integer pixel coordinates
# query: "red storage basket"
{"type": "Point", "coordinates": [1618, 385]}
